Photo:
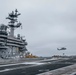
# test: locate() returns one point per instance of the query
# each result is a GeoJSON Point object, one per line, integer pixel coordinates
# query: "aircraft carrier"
{"type": "Point", "coordinates": [15, 47]}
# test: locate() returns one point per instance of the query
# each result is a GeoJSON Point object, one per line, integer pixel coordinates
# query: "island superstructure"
{"type": "Point", "coordinates": [11, 46]}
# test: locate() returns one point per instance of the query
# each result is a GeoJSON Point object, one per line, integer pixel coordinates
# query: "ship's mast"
{"type": "Point", "coordinates": [13, 22]}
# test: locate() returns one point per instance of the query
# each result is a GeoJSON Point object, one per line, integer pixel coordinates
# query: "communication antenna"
{"type": "Point", "coordinates": [13, 24]}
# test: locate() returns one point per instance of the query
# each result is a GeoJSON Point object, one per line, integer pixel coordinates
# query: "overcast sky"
{"type": "Point", "coordinates": [47, 24]}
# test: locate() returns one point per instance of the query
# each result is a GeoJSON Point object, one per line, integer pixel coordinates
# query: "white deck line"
{"type": "Point", "coordinates": [36, 63]}
{"type": "Point", "coordinates": [5, 70]}
{"type": "Point", "coordinates": [10, 65]}
{"type": "Point", "coordinates": [9, 69]}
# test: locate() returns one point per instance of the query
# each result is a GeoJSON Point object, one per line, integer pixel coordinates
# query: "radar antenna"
{"type": "Point", "coordinates": [13, 17]}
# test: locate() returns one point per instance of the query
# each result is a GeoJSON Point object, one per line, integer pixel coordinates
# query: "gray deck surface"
{"type": "Point", "coordinates": [69, 70]}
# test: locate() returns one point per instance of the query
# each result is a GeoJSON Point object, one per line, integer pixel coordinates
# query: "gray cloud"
{"type": "Point", "coordinates": [47, 24]}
